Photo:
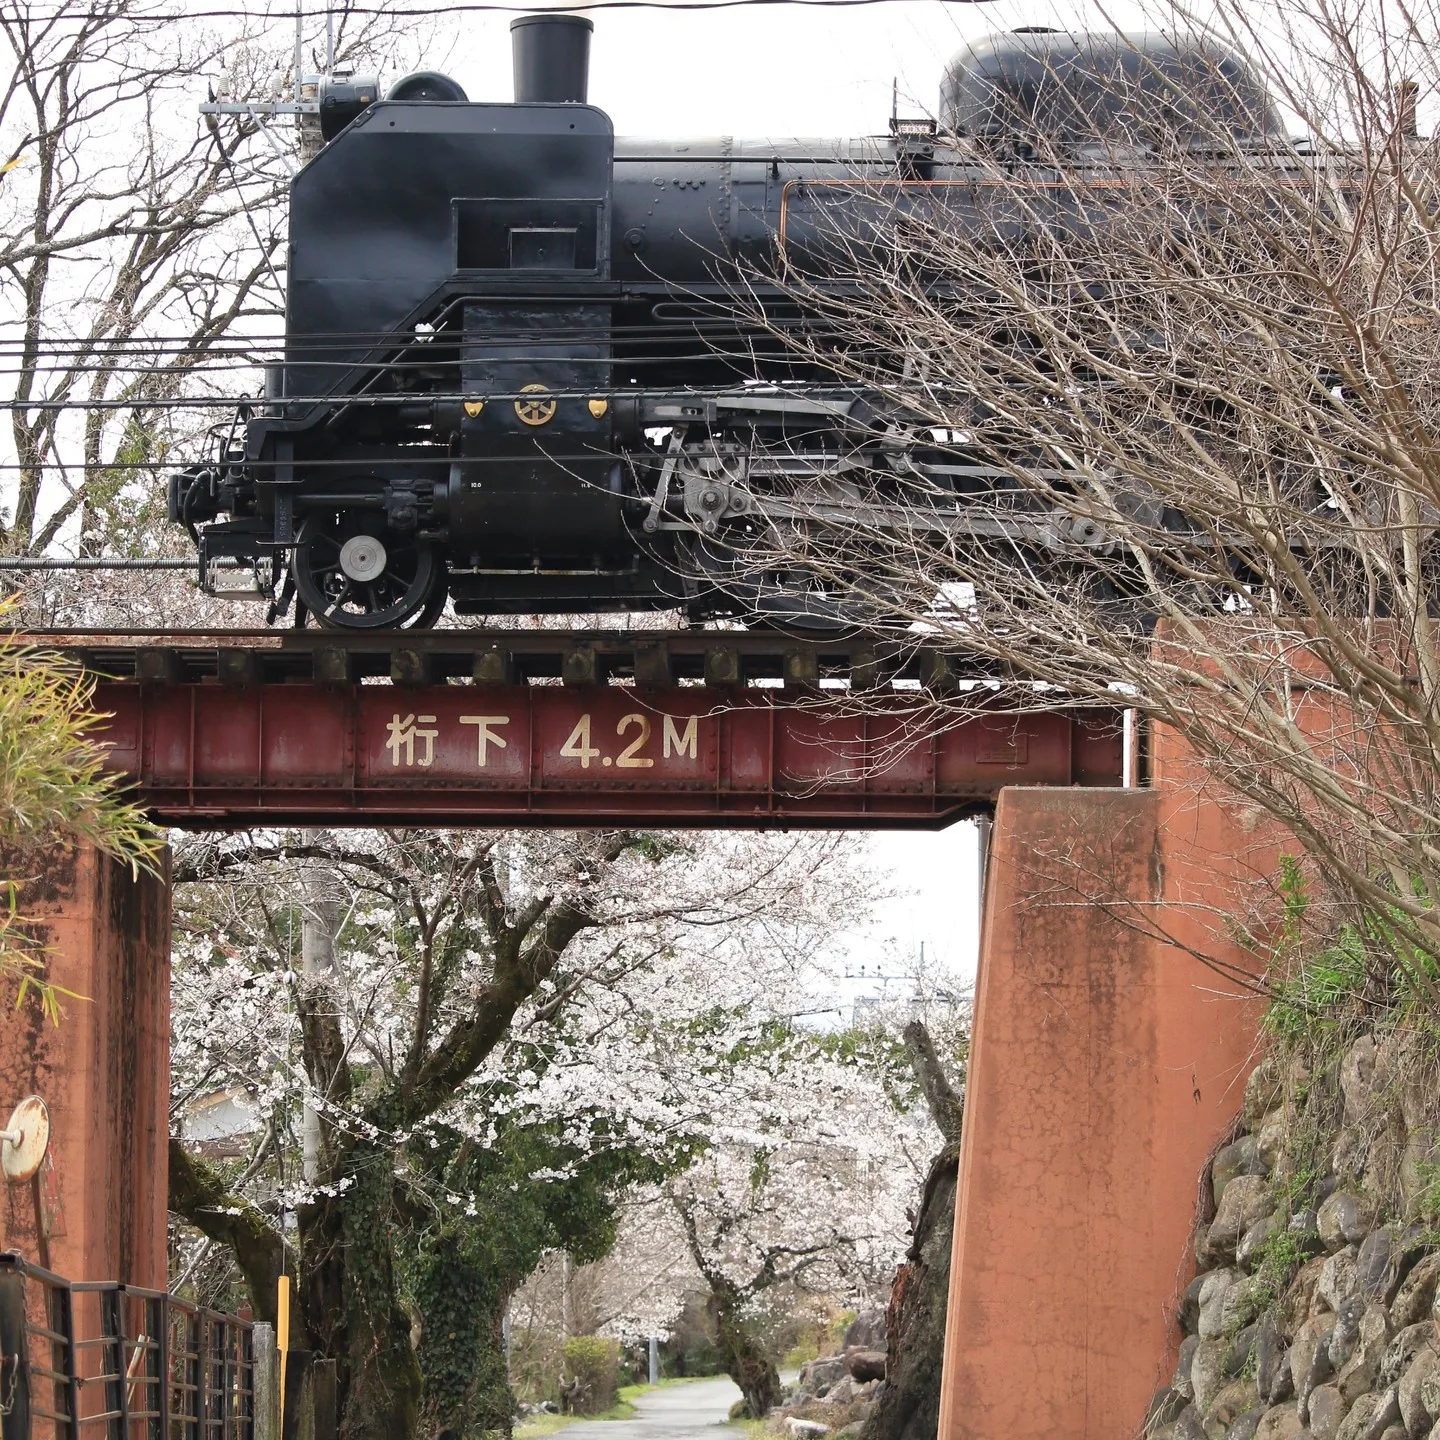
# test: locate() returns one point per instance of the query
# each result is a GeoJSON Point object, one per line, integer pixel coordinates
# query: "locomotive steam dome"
{"type": "Point", "coordinates": [1092, 86]}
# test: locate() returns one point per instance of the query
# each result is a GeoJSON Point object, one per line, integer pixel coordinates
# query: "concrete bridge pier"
{"type": "Point", "coordinates": [1107, 1061]}
{"type": "Point", "coordinates": [98, 1211]}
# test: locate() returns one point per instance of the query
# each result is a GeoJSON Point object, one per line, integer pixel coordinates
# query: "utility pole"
{"type": "Point", "coordinates": [318, 924]}
{"type": "Point", "coordinates": [654, 1359]}
{"type": "Point", "coordinates": [302, 101]}
{"type": "Point", "coordinates": [307, 91]}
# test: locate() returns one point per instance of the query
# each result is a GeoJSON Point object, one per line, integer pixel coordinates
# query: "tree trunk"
{"type": "Point", "coordinates": [382, 1383]}
{"type": "Point", "coordinates": [462, 1350]}
{"type": "Point", "coordinates": [348, 1310]}
{"type": "Point", "coordinates": [199, 1195]}
{"type": "Point", "coordinates": [908, 1407]}
{"type": "Point", "coordinates": [745, 1362]}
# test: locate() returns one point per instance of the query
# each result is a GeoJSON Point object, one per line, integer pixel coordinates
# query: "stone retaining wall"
{"type": "Point", "coordinates": [1314, 1310]}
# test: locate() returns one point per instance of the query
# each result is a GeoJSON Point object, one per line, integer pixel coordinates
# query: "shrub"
{"type": "Point", "coordinates": [590, 1371]}
{"type": "Point", "coordinates": [54, 787]}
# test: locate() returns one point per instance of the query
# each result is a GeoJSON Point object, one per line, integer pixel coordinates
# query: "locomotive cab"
{"type": "Point", "coordinates": [447, 342]}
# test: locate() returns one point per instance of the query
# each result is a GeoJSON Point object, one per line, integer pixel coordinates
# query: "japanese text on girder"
{"type": "Point", "coordinates": [411, 740]}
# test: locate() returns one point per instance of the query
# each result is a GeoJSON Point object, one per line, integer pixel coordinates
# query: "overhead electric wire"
{"type": "Point", "coordinates": [479, 7]}
{"type": "Point", "coordinates": [555, 350]}
{"type": "Point", "coordinates": [175, 361]}
{"type": "Point", "coordinates": [359, 468]}
{"type": "Point", "coordinates": [351, 400]}
{"type": "Point", "coordinates": [437, 339]}
{"type": "Point", "coordinates": [186, 357]}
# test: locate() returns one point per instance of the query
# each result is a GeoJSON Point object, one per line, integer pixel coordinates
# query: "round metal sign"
{"type": "Point", "coordinates": [22, 1150]}
{"type": "Point", "coordinates": [535, 411]}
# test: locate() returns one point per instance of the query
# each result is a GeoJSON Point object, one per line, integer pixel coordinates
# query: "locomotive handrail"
{"type": "Point", "coordinates": [901, 182]}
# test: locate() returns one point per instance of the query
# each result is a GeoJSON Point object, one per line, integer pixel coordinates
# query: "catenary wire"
{"type": "Point", "coordinates": [353, 401]}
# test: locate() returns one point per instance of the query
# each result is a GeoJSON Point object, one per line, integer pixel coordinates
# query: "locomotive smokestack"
{"type": "Point", "coordinates": [552, 58]}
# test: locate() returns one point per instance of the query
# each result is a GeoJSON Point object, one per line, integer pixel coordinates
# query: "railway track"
{"type": "Point", "coordinates": [654, 660]}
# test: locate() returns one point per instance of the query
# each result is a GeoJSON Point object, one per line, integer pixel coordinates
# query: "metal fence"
{"type": "Point", "coordinates": [83, 1359]}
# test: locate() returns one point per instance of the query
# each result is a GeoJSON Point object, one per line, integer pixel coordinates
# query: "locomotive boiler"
{"type": "Point", "coordinates": [528, 367]}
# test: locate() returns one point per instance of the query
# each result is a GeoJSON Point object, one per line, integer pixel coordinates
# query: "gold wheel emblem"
{"type": "Point", "coordinates": [535, 412]}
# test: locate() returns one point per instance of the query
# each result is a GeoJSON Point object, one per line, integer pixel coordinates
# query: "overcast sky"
{"type": "Point", "coordinates": [941, 911]}
{"type": "Point", "coordinates": [767, 71]}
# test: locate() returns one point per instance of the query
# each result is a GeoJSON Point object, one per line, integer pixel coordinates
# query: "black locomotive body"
{"type": "Point", "coordinates": [536, 369]}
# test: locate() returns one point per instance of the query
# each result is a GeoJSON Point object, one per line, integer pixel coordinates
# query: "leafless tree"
{"type": "Point", "coordinates": [1156, 420]}
{"type": "Point", "coordinates": [141, 246]}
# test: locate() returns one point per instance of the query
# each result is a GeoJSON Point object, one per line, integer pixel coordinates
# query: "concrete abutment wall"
{"type": "Point", "coordinates": [103, 1071]}
{"type": "Point", "coordinates": [1107, 1061]}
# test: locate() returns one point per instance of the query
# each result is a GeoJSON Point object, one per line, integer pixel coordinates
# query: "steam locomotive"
{"type": "Point", "coordinates": [530, 368]}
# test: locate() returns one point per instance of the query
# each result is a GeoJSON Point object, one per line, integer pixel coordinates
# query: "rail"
{"type": "Point", "coordinates": [651, 658]}
{"type": "Point", "coordinates": [82, 1359]}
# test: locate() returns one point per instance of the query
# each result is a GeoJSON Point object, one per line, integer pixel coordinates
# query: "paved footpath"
{"type": "Point", "coordinates": [669, 1413]}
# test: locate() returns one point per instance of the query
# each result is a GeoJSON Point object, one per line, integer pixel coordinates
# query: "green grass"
{"type": "Point", "coordinates": [538, 1426]}
{"type": "Point", "coordinates": [534, 1426]}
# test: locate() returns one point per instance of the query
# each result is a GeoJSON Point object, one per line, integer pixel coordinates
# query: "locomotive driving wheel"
{"type": "Point", "coordinates": [359, 575]}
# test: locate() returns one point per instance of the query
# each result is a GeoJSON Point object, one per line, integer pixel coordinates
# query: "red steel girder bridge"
{"type": "Point", "coordinates": [469, 727]}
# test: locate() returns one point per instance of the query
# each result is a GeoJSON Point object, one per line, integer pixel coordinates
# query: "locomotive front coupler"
{"type": "Point", "coordinates": [230, 550]}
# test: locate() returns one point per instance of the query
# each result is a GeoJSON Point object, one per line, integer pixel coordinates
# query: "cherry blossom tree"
{"type": "Point", "coordinates": [499, 1018]}
{"type": "Point", "coordinates": [806, 1150]}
